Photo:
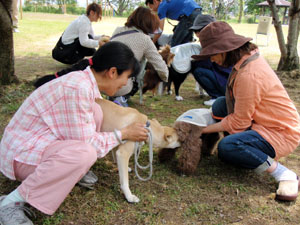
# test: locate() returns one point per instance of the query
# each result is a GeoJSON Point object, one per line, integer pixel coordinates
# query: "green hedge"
{"type": "Point", "coordinates": [50, 9]}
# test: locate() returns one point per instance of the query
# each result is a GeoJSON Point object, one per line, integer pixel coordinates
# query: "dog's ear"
{"type": "Point", "coordinates": [170, 134]}
{"type": "Point", "coordinates": [168, 48]}
{"type": "Point", "coordinates": [155, 121]}
{"type": "Point", "coordinates": [168, 138]}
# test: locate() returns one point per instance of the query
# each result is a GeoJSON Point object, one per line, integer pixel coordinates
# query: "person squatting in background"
{"type": "Point", "coordinates": [78, 40]}
{"type": "Point", "coordinates": [211, 76]}
{"type": "Point", "coordinates": [136, 35]}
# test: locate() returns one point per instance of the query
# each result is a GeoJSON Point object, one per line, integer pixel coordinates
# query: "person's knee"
{"type": "Point", "coordinates": [87, 155]}
{"type": "Point", "coordinates": [224, 148]}
{"type": "Point", "coordinates": [219, 108]}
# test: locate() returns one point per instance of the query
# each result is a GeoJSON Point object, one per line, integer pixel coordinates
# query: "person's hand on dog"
{"type": "Point", "coordinates": [135, 132]}
{"type": "Point", "coordinates": [216, 127]}
{"type": "Point", "coordinates": [104, 39]}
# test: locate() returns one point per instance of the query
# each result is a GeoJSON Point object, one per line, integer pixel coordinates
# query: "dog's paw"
{"type": "Point", "coordinates": [129, 170]}
{"type": "Point", "coordinates": [132, 199]}
{"type": "Point", "coordinates": [170, 92]}
{"type": "Point", "coordinates": [179, 98]}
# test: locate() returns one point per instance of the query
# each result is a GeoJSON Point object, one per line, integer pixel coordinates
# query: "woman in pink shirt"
{"type": "Point", "coordinates": [257, 112]}
{"type": "Point", "coordinates": [54, 138]}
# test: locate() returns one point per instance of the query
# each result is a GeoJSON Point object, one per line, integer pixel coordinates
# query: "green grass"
{"type": "Point", "coordinates": [217, 194]}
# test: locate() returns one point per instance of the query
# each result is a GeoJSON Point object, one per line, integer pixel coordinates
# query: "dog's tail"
{"type": "Point", "coordinates": [39, 82]}
{"type": "Point", "coordinates": [81, 65]}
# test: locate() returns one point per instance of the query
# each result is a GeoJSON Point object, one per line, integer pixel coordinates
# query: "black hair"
{"type": "Point", "coordinates": [115, 54]}
{"type": "Point", "coordinates": [148, 2]}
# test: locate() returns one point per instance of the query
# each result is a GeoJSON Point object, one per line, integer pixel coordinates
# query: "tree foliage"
{"type": "Point", "coordinates": [123, 6]}
{"type": "Point", "coordinates": [252, 7]}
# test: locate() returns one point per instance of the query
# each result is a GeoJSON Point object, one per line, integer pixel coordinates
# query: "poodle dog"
{"type": "Point", "coordinates": [194, 145]}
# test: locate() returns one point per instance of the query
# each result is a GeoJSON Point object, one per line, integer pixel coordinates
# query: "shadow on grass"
{"type": "Point", "coordinates": [30, 67]}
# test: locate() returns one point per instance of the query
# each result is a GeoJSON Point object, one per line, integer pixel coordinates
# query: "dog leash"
{"type": "Point", "coordinates": [137, 150]}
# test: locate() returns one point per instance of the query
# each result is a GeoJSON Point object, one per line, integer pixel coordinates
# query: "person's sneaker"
{"type": "Point", "coordinates": [209, 102]}
{"type": "Point", "coordinates": [121, 100]}
{"type": "Point", "coordinates": [13, 214]}
{"type": "Point", "coordinates": [16, 30]}
{"type": "Point", "coordinates": [88, 180]}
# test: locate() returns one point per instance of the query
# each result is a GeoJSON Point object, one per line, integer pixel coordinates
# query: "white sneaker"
{"type": "Point", "coordinates": [210, 102]}
{"type": "Point", "coordinates": [16, 30]}
{"type": "Point", "coordinates": [13, 213]}
{"type": "Point", "coordinates": [88, 180]}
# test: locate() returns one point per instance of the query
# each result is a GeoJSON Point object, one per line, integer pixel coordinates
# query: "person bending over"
{"type": "Point", "coordinates": [211, 76]}
{"type": "Point", "coordinates": [257, 112]}
{"type": "Point", "coordinates": [183, 11]}
{"type": "Point", "coordinates": [135, 34]}
{"type": "Point", "coordinates": [55, 136]}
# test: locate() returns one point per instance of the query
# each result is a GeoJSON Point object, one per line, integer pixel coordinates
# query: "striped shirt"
{"type": "Point", "coordinates": [59, 110]}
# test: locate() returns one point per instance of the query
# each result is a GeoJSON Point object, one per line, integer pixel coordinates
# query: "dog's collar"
{"type": "Point", "coordinates": [148, 123]}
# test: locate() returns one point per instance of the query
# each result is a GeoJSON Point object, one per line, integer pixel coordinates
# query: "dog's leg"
{"type": "Point", "coordinates": [123, 155]}
{"type": "Point", "coordinates": [177, 84]}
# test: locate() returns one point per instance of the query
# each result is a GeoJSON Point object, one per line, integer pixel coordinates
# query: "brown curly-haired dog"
{"type": "Point", "coordinates": [193, 146]}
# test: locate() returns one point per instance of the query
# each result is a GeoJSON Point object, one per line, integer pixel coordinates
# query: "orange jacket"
{"type": "Point", "coordinates": [262, 103]}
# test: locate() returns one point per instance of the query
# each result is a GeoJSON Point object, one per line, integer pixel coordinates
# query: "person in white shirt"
{"type": "Point", "coordinates": [78, 40]}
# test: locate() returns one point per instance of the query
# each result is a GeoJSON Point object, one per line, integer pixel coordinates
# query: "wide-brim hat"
{"type": "Point", "coordinates": [201, 21]}
{"type": "Point", "coordinates": [219, 37]}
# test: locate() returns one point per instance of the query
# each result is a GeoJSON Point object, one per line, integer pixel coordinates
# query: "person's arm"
{"type": "Point", "coordinates": [153, 57]}
{"type": "Point", "coordinates": [161, 26]}
{"type": "Point", "coordinates": [85, 41]}
{"type": "Point", "coordinates": [74, 114]}
{"type": "Point", "coordinates": [248, 91]}
{"type": "Point", "coordinates": [216, 127]}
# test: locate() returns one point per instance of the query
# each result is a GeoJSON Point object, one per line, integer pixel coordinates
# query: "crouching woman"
{"type": "Point", "coordinates": [257, 112]}
{"type": "Point", "coordinates": [54, 138]}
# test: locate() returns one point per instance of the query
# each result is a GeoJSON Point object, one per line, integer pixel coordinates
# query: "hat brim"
{"type": "Point", "coordinates": [219, 47]}
{"type": "Point", "coordinates": [196, 27]}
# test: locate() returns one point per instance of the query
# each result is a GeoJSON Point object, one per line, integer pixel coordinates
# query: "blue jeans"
{"type": "Point", "coordinates": [246, 149]}
{"type": "Point", "coordinates": [208, 81]}
{"type": "Point", "coordinates": [219, 108]}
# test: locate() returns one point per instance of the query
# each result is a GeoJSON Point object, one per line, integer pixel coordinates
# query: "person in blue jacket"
{"type": "Point", "coordinates": [184, 11]}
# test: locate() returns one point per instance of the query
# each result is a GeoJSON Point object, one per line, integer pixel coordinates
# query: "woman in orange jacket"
{"type": "Point", "coordinates": [257, 112]}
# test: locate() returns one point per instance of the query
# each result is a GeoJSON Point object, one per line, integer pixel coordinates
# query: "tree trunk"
{"type": "Point", "coordinates": [241, 11]}
{"type": "Point", "coordinates": [278, 28]}
{"type": "Point", "coordinates": [290, 61]}
{"type": "Point", "coordinates": [6, 44]}
{"type": "Point", "coordinates": [213, 8]}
